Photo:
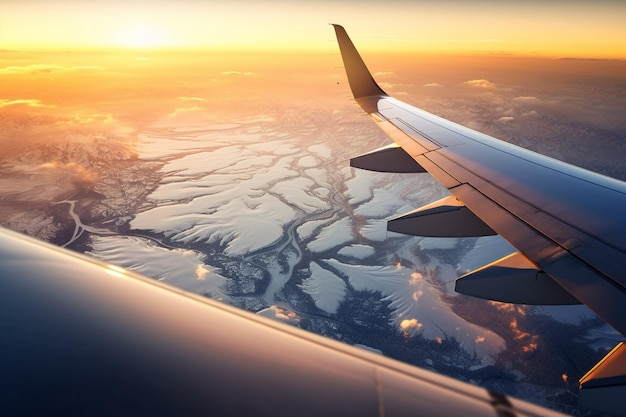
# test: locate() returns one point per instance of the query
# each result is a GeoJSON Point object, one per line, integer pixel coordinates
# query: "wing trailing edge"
{"type": "Point", "coordinates": [447, 217]}
{"type": "Point", "coordinates": [513, 279]}
{"type": "Point", "coordinates": [390, 158]}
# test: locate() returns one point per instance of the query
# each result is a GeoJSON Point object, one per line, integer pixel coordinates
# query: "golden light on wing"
{"type": "Point", "coordinates": [116, 271]}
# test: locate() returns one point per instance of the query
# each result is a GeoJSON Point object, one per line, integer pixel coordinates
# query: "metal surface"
{"type": "Point", "coordinates": [513, 279]}
{"type": "Point", "coordinates": [604, 386]}
{"type": "Point", "coordinates": [80, 337]}
{"type": "Point", "coordinates": [567, 221]}
{"type": "Point", "coordinates": [447, 217]}
{"type": "Point", "coordinates": [390, 158]}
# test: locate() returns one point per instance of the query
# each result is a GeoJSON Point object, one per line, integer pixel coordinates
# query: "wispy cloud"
{"type": "Point", "coordinates": [185, 110]}
{"type": "Point", "coordinates": [82, 174]}
{"type": "Point", "coordinates": [85, 119]}
{"type": "Point", "coordinates": [379, 73]}
{"type": "Point", "coordinates": [192, 99]}
{"type": "Point", "coordinates": [24, 102]}
{"type": "Point", "coordinates": [245, 73]}
{"type": "Point", "coordinates": [505, 119]}
{"type": "Point", "coordinates": [47, 69]}
{"type": "Point", "coordinates": [526, 99]}
{"type": "Point", "coordinates": [432, 85]}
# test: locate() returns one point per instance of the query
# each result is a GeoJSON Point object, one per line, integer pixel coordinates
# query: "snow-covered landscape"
{"type": "Point", "coordinates": [255, 205]}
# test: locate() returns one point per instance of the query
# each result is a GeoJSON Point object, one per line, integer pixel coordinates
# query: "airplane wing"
{"type": "Point", "coordinates": [81, 337]}
{"type": "Point", "coordinates": [567, 223]}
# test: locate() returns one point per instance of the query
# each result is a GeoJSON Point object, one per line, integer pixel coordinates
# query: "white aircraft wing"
{"type": "Point", "coordinates": [567, 223]}
{"type": "Point", "coordinates": [84, 338]}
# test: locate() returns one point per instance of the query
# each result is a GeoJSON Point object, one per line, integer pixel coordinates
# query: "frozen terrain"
{"type": "Point", "coordinates": [215, 184]}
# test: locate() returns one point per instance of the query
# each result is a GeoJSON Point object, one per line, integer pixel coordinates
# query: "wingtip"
{"type": "Point", "coordinates": [361, 81]}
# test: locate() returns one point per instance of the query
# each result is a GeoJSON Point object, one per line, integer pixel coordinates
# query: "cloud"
{"type": "Point", "coordinates": [526, 99]}
{"type": "Point", "coordinates": [46, 69]}
{"type": "Point", "coordinates": [26, 102]}
{"type": "Point", "coordinates": [282, 314]}
{"type": "Point", "coordinates": [185, 110]}
{"type": "Point", "coordinates": [31, 69]}
{"type": "Point", "coordinates": [481, 83]}
{"type": "Point", "coordinates": [531, 113]}
{"type": "Point", "coordinates": [530, 340]}
{"type": "Point", "coordinates": [410, 326]}
{"type": "Point", "coordinates": [82, 174]}
{"type": "Point", "coordinates": [201, 272]}
{"type": "Point", "coordinates": [246, 73]}
{"type": "Point", "coordinates": [380, 73]}
{"type": "Point", "coordinates": [85, 119]}
{"type": "Point", "coordinates": [192, 99]}
{"type": "Point", "coordinates": [508, 307]}
{"type": "Point", "coordinates": [432, 85]}
{"type": "Point", "coordinates": [505, 119]}
{"type": "Point", "coordinates": [416, 278]}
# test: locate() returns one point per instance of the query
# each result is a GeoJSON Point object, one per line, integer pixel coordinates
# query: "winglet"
{"type": "Point", "coordinates": [361, 81]}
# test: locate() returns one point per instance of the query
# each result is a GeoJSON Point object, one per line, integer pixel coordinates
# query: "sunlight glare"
{"type": "Point", "coordinates": [141, 36]}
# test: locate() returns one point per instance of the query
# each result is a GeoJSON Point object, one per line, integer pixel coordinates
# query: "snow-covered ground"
{"type": "Point", "coordinates": [418, 307]}
{"type": "Point", "coordinates": [182, 268]}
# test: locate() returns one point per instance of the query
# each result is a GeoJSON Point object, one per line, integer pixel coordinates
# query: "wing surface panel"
{"type": "Point", "coordinates": [558, 201]}
{"type": "Point", "coordinates": [91, 338]}
{"type": "Point", "coordinates": [563, 191]}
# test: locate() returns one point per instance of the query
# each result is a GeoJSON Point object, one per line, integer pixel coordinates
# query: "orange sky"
{"type": "Point", "coordinates": [555, 28]}
{"type": "Point", "coordinates": [286, 55]}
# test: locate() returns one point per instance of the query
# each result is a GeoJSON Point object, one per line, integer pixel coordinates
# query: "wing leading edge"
{"type": "Point", "coordinates": [566, 222]}
{"type": "Point", "coordinates": [80, 337]}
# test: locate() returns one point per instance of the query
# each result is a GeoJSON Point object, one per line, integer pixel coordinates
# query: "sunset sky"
{"type": "Point", "coordinates": [545, 28]}
{"type": "Point", "coordinates": [103, 95]}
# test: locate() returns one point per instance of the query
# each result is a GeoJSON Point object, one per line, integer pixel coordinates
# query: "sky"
{"type": "Point", "coordinates": [537, 28]}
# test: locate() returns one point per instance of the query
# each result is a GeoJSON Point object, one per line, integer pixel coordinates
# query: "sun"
{"type": "Point", "coordinates": [141, 36]}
